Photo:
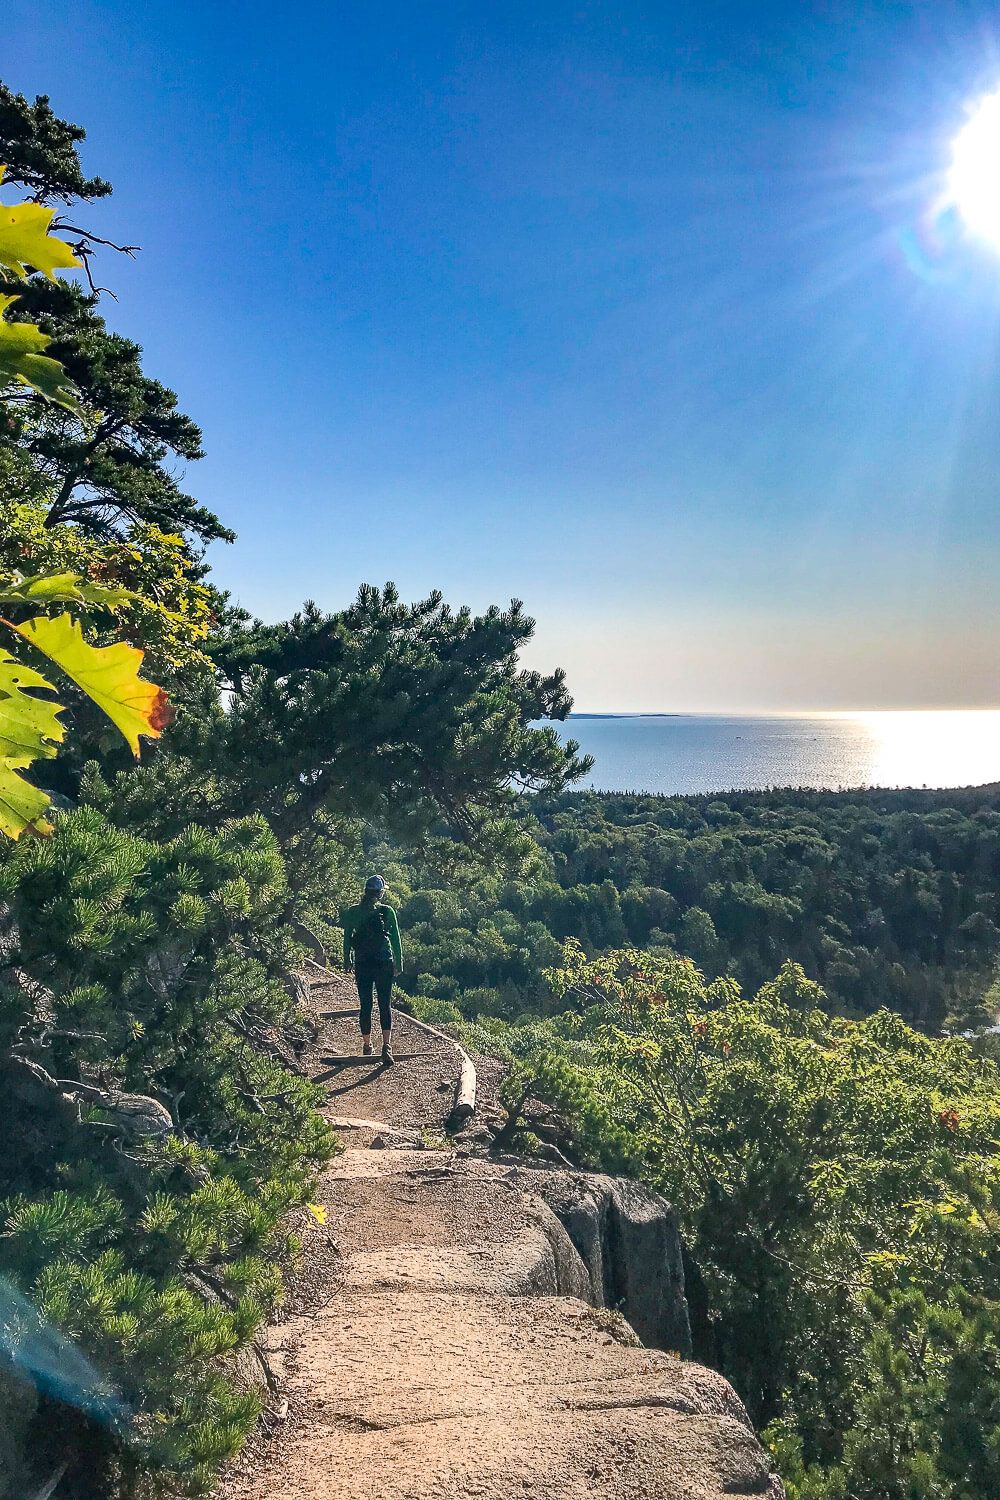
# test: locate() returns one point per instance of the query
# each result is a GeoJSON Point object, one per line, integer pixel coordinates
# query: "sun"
{"type": "Point", "coordinates": [974, 179]}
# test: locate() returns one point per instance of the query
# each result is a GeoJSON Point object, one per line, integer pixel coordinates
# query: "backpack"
{"type": "Point", "coordinates": [371, 938]}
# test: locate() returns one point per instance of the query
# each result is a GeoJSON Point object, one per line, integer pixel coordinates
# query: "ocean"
{"type": "Point", "coordinates": [716, 752]}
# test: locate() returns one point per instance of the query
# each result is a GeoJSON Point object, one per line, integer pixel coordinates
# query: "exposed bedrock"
{"type": "Point", "coordinates": [627, 1237]}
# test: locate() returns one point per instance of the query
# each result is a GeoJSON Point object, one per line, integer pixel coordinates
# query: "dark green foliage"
{"type": "Point", "coordinates": [888, 898]}
{"type": "Point", "coordinates": [117, 468]}
{"type": "Point", "coordinates": [403, 715]}
{"type": "Point", "coordinates": [114, 467]}
{"type": "Point", "coordinates": [414, 718]}
{"type": "Point", "coordinates": [541, 1072]}
{"type": "Point", "coordinates": [158, 970]}
{"type": "Point", "coordinates": [39, 151]}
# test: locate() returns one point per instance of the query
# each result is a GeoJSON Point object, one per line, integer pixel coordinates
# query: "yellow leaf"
{"type": "Point", "coordinates": [21, 804]}
{"type": "Point", "coordinates": [21, 360]}
{"type": "Point", "coordinates": [29, 726]}
{"type": "Point", "coordinates": [60, 588]}
{"type": "Point", "coordinates": [109, 675]}
{"type": "Point", "coordinates": [25, 241]}
{"type": "Point", "coordinates": [318, 1212]}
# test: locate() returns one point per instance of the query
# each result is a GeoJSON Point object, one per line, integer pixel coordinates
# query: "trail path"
{"type": "Point", "coordinates": [439, 1345]}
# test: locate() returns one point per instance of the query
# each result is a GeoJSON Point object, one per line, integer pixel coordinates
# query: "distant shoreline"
{"type": "Point", "coordinates": [682, 754]}
{"type": "Point", "coordinates": [762, 715]}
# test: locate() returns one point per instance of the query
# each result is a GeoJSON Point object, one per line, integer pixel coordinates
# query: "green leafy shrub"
{"type": "Point", "coordinates": [436, 1012]}
{"type": "Point", "coordinates": [839, 1187]}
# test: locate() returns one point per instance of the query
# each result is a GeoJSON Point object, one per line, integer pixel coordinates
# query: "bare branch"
{"type": "Point", "coordinates": [94, 239]}
{"type": "Point", "coordinates": [84, 252]}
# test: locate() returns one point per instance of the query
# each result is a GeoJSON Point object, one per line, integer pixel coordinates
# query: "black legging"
{"type": "Point", "coordinates": [377, 976]}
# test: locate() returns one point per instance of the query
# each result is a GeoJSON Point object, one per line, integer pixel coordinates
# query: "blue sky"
{"type": "Point", "coordinates": [635, 311]}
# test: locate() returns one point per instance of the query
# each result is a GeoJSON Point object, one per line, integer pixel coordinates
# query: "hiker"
{"type": "Point", "coordinates": [371, 935]}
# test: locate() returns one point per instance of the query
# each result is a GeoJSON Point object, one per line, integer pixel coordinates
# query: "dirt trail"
{"type": "Point", "coordinates": [439, 1345]}
{"type": "Point", "coordinates": [415, 1095]}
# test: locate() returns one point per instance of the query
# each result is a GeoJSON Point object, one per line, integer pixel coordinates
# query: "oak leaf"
{"type": "Point", "coordinates": [29, 726]}
{"type": "Point", "coordinates": [61, 588]}
{"type": "Point", "coordinates": [25, 241]}
{"type": "Point", "coordinates": [21, 804]}
{"type": "Point", "coordinates": [109, 675]}
{"type": "Point", "coordinates": [22, 361]}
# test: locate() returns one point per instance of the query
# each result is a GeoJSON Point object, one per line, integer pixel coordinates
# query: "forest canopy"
{"type": "Point", "coordinates": [888, 898]}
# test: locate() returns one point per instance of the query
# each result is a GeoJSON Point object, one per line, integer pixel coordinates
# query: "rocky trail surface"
{"type": "Point", "coordinates": [443, 1340]}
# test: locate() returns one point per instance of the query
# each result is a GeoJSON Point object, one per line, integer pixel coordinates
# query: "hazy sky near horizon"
{"type": "Point", "coordinates": [639, 312]}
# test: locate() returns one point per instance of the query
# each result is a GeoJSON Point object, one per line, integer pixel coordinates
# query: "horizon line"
{"type": "Point", "coordinates": [771, 713]}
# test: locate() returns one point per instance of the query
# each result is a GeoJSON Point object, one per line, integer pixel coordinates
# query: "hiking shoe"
{"type": "Point", "coordinates": [387, 1056]}
{"type": "Point", "coordinates": [366, 1049]}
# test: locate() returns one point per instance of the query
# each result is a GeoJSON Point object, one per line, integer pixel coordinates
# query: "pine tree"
{"type": "Point", "coordinates": [107, 466]}
{"type": "Point", "coordinates": [416, 719]}
{"type": "Point", "coordinates": [158, 1135]}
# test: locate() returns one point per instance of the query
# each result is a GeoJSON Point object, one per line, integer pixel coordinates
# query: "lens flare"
{"type": "Point", "coordinates": [52, 1363]}
{"type": "Point", "coordinates": [974, 179]}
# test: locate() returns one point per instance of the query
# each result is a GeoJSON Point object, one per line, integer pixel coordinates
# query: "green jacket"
{"type": "Point", "coordinates": [353, 918]}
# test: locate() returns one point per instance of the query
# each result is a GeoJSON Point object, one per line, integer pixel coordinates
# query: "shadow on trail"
{"type": "Point", "coordinates": [359, 1060]}
{"type": "Point", "coordinates": [355, 1083]}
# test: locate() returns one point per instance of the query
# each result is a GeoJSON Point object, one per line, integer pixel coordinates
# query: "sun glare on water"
{"type": "Point", "coordinates": [974, 179]}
